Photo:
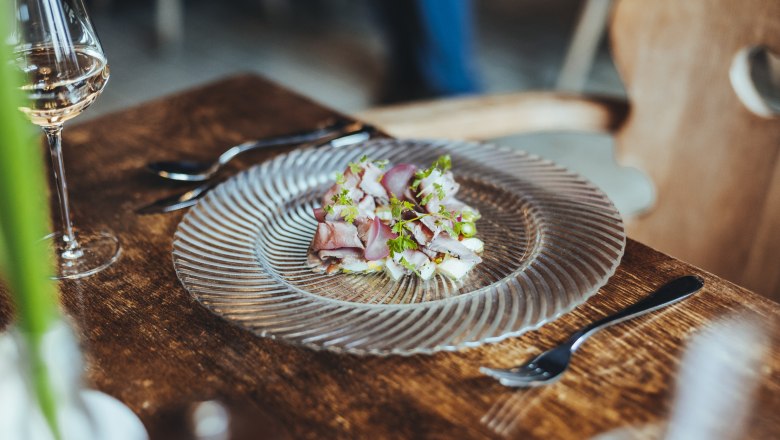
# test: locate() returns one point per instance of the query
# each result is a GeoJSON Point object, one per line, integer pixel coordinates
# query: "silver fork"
{"type": "Point", "coordinates": [550, 365]}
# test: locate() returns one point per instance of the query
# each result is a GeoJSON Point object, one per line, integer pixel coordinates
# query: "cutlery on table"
{"type": "Point", "coordinates": [189, 171]}
{"type": "Point", "coordinates": [550, 365]}
{"type": "Point", "coordinates": [179, 200]}
{"type": "Point", "coordinates": [191, 196]}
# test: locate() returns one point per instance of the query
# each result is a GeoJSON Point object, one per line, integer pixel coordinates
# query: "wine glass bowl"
{"type": "Point", "coordinates": [64, 70]}
{"type": "Point", "coordinates": [55, 97]}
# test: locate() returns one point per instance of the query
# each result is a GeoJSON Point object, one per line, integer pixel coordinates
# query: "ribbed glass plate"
{"type": "Point", "coordinates": [551, 240]}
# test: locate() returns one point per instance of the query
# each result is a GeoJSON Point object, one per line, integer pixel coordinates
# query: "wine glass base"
{"type": "Point", "coordinates": [95, 252]}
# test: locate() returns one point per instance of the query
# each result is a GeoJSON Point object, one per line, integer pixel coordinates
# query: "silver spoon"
{"type": "Point", "coordinates": [189, 171]}
{"type": "Point", "coordinates": [191, 197]}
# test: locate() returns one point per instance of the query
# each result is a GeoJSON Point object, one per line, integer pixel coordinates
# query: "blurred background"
{"type": "Point", "coordinates": [331, 50]}
{"type": "Point", "coordinates": [683, 62]}
{"type": "Point", "coordinates": [336, 52]}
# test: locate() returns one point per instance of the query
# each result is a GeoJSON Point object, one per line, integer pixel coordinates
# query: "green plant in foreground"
{"type": "Point", "coordinates": [25, 261]}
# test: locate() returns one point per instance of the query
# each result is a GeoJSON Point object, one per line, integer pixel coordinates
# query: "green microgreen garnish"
{"type": "Point", "coordinates": [443, 164]}
{"type": "Point", "coordinates": [349, 213]}
{"type": "Point", "coordinates": [439, 191]}
{"type": "Point", "coordinates": [444, 213]}
{"type": "Point", "coordinates": [342, 198]}
{"type": "Point", "coordinates": [401, 243]}
{"type": "Point", "coordinates": [356, 167]}
{"type": "Point", "coordinates": [397, 207]}
{"type": "Point", "coordinates": [470, 216]}
{"type": "Point", "coordinates": [340, 179]}
{"type": "Point", "coordinates": [462, 227]}
{"type": "Point", "coordinates": [448, 229]}
{"type": "Point", "coordinates": [403, 262]}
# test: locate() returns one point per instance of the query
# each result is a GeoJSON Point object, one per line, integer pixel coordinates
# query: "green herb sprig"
{"type": "Point", "coordinates": [24, 216]}
{"type": "Point", "coordinates": [403, 241]}
{"type": "Point", "coordinates": [438, 191]}
{"type": "Point", "coordinates": [357, 167]}
{"type": "Point", "coordinates": [442, 163]}
{"type": "Point", "coordinates": [405, 263]}
{"type": "Point", "coordinates": [349, 211]}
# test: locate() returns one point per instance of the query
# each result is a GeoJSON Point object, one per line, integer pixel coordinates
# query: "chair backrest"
{"type": "Point", "coordinates": [716, 165]}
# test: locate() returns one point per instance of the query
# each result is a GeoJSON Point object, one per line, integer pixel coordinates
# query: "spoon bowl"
{"type": "Point", "coordinates": [183, 170]}
{"type": "Point", "coordinates": [191, 196]}
{"type": "Point", "coordinates": [191, 171]}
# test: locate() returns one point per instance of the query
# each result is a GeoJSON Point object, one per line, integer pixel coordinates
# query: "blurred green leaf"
{"type": "Point", "coordinates": [24, 210]}
{"type": "Point", "coordinates": [26, 260]}
{"type": "Point", "coordinates": [2, 253]}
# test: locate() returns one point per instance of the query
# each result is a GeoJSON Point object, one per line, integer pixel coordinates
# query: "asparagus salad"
{"type": "Point", "coordinates": [400, 219]}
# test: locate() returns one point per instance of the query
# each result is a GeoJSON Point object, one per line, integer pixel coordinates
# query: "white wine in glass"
{"type": "Point", "coordinates": [53, 99]}
{"type": "Point", "coordinates": [64, 70]}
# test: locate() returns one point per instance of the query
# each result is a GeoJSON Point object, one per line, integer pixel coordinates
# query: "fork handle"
{"type": "Point", "coordinates": [669, 293]}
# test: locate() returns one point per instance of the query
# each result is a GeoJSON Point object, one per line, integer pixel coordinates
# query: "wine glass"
{"type": "Point", "coordinates": [65, 70]}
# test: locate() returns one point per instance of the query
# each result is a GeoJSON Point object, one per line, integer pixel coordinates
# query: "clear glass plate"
{"type": "Point", "coordinates": [551, 240]}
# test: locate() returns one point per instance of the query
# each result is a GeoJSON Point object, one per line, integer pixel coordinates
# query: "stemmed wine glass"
{"type": "Point", "coordinates": [65, 70]}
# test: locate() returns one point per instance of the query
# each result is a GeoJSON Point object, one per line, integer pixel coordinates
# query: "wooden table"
{"type": "Point", "coordinates": [149, 343]}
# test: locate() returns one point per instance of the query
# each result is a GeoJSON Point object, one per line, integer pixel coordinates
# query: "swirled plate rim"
{"type": "Point", "coordinates": [571, 305]}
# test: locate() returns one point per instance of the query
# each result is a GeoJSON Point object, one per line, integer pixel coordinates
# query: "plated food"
{"type": "Point", "coordinates": [551, 240]}
{"type": "Point", "coordinates": [399, 219]}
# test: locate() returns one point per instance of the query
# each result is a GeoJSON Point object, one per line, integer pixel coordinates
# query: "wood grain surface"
{"type": "Point", "coordinates": [150, 344]}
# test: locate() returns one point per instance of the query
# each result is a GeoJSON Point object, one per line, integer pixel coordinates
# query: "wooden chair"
{"type": "Point", "coordinates": [715, 164]}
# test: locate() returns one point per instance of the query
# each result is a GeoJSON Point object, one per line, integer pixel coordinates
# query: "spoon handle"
{"type": "Point", "coordinates": [288, 139]}
{"type": "Point", "coordinates": [669, 293]}
{"type": "Point", "coordinates": [191, 196]}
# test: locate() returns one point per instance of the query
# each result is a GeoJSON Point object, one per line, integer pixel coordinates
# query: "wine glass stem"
{"type": "Point", "coordinates": [71, 248]}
